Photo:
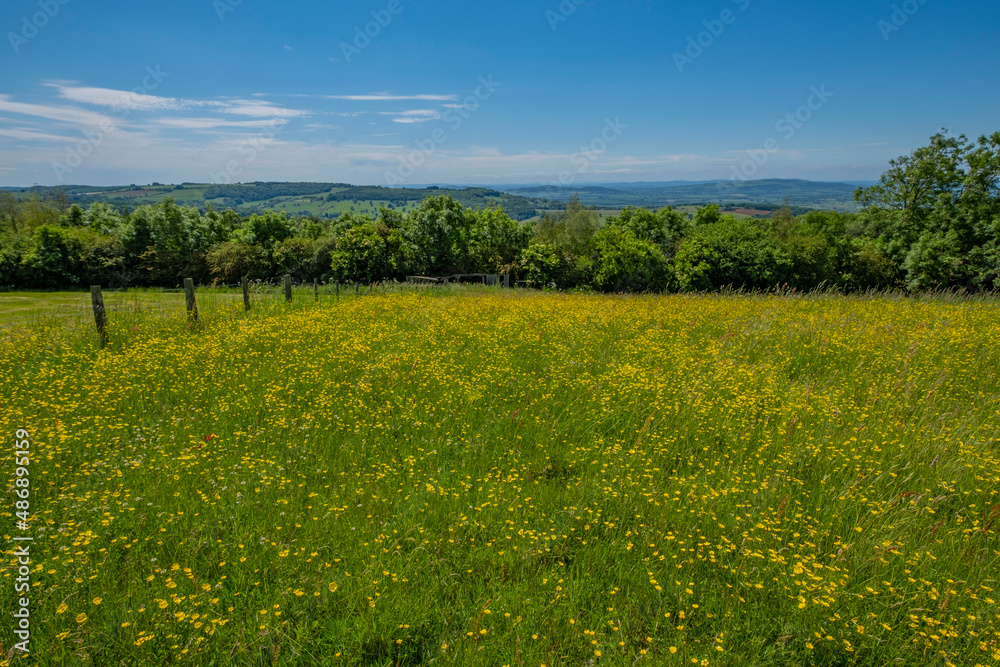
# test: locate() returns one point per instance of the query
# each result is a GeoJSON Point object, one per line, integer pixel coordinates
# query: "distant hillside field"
{"type": "Point", "coordinates": [798, 193]}
{"type": "Point", "coordinates": [330, 200]}
{"type": "Point", "coordinates": [324, 200]}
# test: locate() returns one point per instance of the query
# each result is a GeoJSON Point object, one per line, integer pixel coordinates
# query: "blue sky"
{"type": "Point", "coordinates": [104, 92]}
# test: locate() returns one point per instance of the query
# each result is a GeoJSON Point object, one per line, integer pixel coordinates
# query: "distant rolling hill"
{"type": "Point", "coordinates": [799, 193]}
{"type": "Point", "coordinates": [324, 200]}
{"type": "Point", "coordinates": [330, 200]}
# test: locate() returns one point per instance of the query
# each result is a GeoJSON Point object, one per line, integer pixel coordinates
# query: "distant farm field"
{"type": "Point", "coordinates": [489, 477]}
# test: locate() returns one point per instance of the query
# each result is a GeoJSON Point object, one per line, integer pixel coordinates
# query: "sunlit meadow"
{"type": "Point", "coordinates": [488, 477]}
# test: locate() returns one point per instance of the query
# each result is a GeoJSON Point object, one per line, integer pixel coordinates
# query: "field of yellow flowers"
{"type": "Point", "coordinates": [483, 477]}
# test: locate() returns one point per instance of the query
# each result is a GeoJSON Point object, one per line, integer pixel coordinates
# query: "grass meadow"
{"type": "Point", "coordinates": [484, 477]}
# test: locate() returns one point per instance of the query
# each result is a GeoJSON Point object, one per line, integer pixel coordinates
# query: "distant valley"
{"type": "Point", "coordinates": [330, 200]}
{"type": "Point", "coordinates": [772, 192]}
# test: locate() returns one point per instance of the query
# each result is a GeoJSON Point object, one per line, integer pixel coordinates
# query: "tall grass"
{"type": "Point", "coordinates": [483, 477]}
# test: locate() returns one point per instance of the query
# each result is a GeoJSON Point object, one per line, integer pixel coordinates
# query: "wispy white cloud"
{"type": "Point", "coordinates": [31, 135]}
{"type": "Point", "coordinates": [741, 153]}
{"type": "Point", "coordinates": [492, 151]}
{"type": "Point", "coordinates": [108, 97]}
{"type": "Point", "coordinates": [260, 109]}
{"type": "Point", "coordinates": [385, 97]}
{"type": "Point", "coordinates": [412, 115]}
{"type": "Point", "coordinates": [65, 114]}
{"type": "Point", "coordinates": [210, 123]}
{"type": "Point", "coordinates": [183, 139]}
{"type": "Point", "coordinates": [368, 97]}
{"type": "Point", "coordinates": [123, 99]}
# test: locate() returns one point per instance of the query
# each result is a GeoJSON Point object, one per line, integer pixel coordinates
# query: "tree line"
{"type": "Point", "coordinates": [932, 221]}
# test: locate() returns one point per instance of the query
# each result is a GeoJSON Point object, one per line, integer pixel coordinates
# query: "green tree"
{"type": "Point", "coordinates": [66, 256]}
{"type": "Point", "coordinates": [104, 218]}
{"type": "Point", "coordinates": [707, 215]}
{"type": "Point", "coordinates": [438, 233]}
{"type": "Point", "coordinates": [696, 265]}
{"type": "Point", "coordinates": [665, 227]}
{"type": "Point", "coordinates": [542, 265]}
{"type": "Point", "coordinates": [368, 253]}
{"type": "Point", "coordinates": [935, 210]}
{"type": "Point", "coordinates": [734, 253]}
{"type": "Point", "coordinates": [53, 259]}
{"type": "Point", "coordinates": [232, 260]}
{"type": "Point", "coordinates": [569, 231]}
{"type": "Point", "coordinates": [624, 262]}
{"type": "Point", "coordinates": [265, 229]}
{"type": "Point", "coordinates": [101, 259]}
{"type": "Point", "coordinates": [570, 234]}
{"type": "Point", "coordinates": [295, 256]}
{"type": "Point", "coordinates": [869, 266]}
{"type": "Point", "coordinates": [817, 246]}
{"type": "Point", "coordinates": [496, 241]}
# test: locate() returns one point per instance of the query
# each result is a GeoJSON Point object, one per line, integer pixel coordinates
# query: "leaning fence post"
{"type": "Point", "coordinates": [97, 300]}
{"type": "Point", "coordinates": [288, 288]}
{"type": "Point", "coordinates": [192, 305]}
{"type": "Point", "coordinates": [316, 289]}
{"type": "Point", "coordinates": [246, 294]}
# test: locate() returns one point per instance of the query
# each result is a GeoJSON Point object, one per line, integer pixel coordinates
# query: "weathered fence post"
{"type": "Point", "coordinates": [192, 305]}
{"type": "Point", "coordinates": [506, 280]}
{"type": "Point", "coordinates": [338, 290]}
{"type": "Point", "coordinates": [357, 289]}
{"type": "Point", "coordinates": [246, 294]}
{"type": "Point", "coordinates": [97, 299]}
{"type": "Point", "coordinates": [316, 289]}
{"type": "Point", "coordinates": [288, 288]}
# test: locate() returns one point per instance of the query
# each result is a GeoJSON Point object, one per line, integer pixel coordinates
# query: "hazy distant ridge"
{"type": "Point", "coordinates": [813, 194]}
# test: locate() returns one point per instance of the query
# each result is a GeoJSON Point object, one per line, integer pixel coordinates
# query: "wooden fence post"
{"type": "Point", "coordinates": [506, 280]}
{"type": "Point", "coordinates": [97, 300]}
{"type": "Point", "coordinates": [288, 288]}
{"type": "Point", "coordinates": [246, 294]}
{"type": "Point", "coordinates": [315, 289]}
{"type": "Point", "coordinates": [357, 289]}
{"type": "Point", "coordinates": [192, 305]}
{"type": "Point", "coordinates": [338, 290]}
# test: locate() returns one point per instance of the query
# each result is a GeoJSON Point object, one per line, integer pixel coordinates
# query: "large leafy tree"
{"type": "Point", "coordinates": [265, 229]}
{"type": "Point", "coordinates": [231, 261]}
{"type": "Point", "coordinates": [542, 265]}
{"type": "Point", "coordinates": [438, 234]}
{"type": "Point", "coordinates": [66, 256]}
{"type": "Point", "coordinates": [53, 260]}
{"type": "Point", "coordinates": [368, 253]}
{"type": "Point", "coordinates": [496, 241]}
{"type": "Point", "coordinates": [818, 247]}
{"type": "Point", "coordinates": [625, 262]}
{"type": "Point", "coordinates": [665, 227]}
{"type": "Point", "coordinates": [570, 233]}
{"type": "Point", "coordinates": [936, 211]}
{"type": "Point", "coordinates": [176, 240]}
{"type": "Point", "coordinates": [731, 252]}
